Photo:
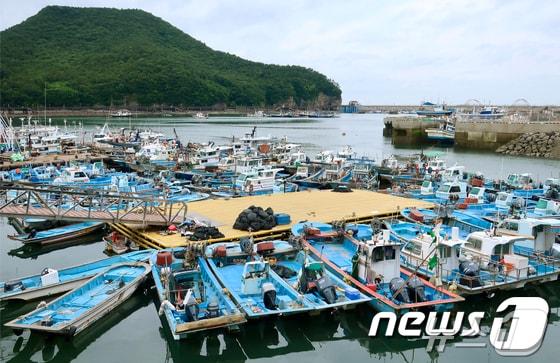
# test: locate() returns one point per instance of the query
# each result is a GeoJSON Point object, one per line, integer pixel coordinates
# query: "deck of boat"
{"type": "Point", "coordinates": [319, 206]}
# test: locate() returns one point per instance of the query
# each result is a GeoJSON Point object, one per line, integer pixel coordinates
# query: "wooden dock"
{"type": "Point", "coordinates": [317, 206]}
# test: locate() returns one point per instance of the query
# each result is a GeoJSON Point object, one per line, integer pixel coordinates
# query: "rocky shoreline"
{"type": "Point", "coordinates": [534, 144]}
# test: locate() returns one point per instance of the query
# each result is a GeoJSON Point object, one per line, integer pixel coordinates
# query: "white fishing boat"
{"type": "Point", "coordinates": [445, 133]}
{"type": "Point", "coordinates": [121, 113]}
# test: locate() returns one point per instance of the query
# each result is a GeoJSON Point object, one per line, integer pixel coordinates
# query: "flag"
{"type": "Point", "coordinates": [432, 262]}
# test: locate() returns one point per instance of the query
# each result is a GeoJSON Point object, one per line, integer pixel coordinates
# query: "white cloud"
{"type": "Point", "coordinates": [379, 51]}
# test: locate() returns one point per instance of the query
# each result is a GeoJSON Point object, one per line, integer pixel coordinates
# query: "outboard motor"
{"type": "Point", "coordinates": [269, 296]}
{"type": "Point", "coordinates": [213, 309]}
{"type": "Point", "coordinates": [397, 284]}
{"type": "Point", "coordinates": [416, 289]}
{"type": "Point", "coordinates": [326, 289]}
{"type": "Point", "coordinates": [471, 272]}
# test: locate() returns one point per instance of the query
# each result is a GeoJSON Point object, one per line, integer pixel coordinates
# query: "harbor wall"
{"type": "Point", "coordinates": [489, 135]}
{"type": "Point", "coordinates": [469, 134]}
{"type": "Point", "coordinates": [408, 131]}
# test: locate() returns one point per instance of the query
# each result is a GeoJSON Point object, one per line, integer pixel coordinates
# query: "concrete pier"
{"type": "Point", "coordinates": [471, 133]}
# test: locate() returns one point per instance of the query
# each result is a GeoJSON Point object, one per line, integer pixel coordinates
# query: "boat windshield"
{"type": "Point", "coordinates": [475, 191]}
{"type": "Point", "coordinates": [502, 197]}
{"type": "Point", "coordinates": [445, 188]}
{"type": "Point", "coordinates": [426, 184]}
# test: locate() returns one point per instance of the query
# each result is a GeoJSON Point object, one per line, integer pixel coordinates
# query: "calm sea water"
{"type": "Point", "coordinates": [135, 333]}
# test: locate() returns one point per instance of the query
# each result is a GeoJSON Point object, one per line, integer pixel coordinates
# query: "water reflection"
{"type": "Point", "coordinates": [304, 336]}
{"type": "Point", "coordinates": [33, 251]}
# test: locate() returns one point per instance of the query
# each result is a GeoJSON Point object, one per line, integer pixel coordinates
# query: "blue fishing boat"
{"type": "Point", "coordinates": [306, 275]}
{"type": "Point", "coordinates": [59, 234]}
{"type": "Point", "coordinates": [190, 296]}
{"type": "Point", "coordinates": [254, 286]}
{"type": "Point", "coordinates": [52, 282]}
{"type": "Point", "coordinates": [78, 309]}
{"type": "Point", "coordinates": [480, 262]}
{"type": "Point", "coordinates": [372, 265]}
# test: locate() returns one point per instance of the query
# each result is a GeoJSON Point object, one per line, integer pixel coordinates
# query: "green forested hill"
{"type": "Point", "coordinates": [95, 56]}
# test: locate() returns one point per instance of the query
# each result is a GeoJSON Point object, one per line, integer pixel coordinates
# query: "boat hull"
{"type": "Point", "coordinates": [92, 315]}
{"type": "Point", "coordinates": [78, 274]}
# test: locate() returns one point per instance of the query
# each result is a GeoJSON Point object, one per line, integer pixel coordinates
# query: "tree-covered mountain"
{"type": "Point", "coordinates": [100, 56]}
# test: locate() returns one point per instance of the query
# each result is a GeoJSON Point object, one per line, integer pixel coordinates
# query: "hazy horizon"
{"type": "Point", "coordinates": [378, 52]}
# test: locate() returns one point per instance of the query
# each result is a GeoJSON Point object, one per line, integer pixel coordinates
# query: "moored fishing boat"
{"type": "Point", "coordinates": [190, 296]}
{"type": "Point", "coordinates": [83, 306]}
{"type": "Point", "coordinates": [305, 274]}
{"type": "Point", "coordinates": [53, 282]}
{"type": "Point", "coordinates": [254, 286]}
{"type": "Point", "coordinates": [480, 262]}
{"type": "Point", "coordinates": [372, 265]}
{"type": "Point", "coordinates": [59, 234]}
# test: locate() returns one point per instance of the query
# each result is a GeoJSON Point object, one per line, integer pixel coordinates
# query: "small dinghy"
{"type": "Point", "coordinates": [253, 285]}
{"type": "Point", "coordinates": [191, 298]}
{"type": "Point", "coordinates": [53, 282]}
{"type": "Point", "coordinates": [83, 306]}
{"type": "Point", "coordinates": [60, 234]}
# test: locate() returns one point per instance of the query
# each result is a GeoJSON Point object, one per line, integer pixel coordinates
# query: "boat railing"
{"type": "Point", "coordinates": [499, 274]}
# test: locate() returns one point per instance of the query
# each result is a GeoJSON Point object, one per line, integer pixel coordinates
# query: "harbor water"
{"type": "Point", "coordinates": [135, 333]}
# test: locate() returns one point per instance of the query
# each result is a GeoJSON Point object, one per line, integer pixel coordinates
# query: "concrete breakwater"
{"type": "Point", "coordinates": [475, 134]}
{"type": "Point", "coordinates": [536, 144]}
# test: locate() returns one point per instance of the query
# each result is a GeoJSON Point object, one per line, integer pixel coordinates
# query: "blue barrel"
{"type": "Point", "coordinates": [282, 218]}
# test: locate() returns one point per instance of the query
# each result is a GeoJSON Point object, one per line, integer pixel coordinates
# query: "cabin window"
{"type": "Point", "coordinates": [378, 254]}
{"type": "Point", "coordinates": [426, 184]}
{"type": "Point", "coordinates": [475, 191]}
{"type": "Point", "coordinates": [445, 188]}
{"type": "Point", "coordinates": [455, 189]}
{"type": "Point", "coordinates": [502, 197]}
{"type": "Point", "coordinates": [79, 174]}
{"type": "Point", "coordinates": [541, 204]}
{"type": "Point", "coordinates": [474, 243]}
{"type": "Point", "coordinates": [413, 248]}
{"type": "Point", "coordinates": [501, 250]}
{"type": "Point", "coordinates": [444, 251]}
{"type": "Point", "coordinates": [511, 226]}
{"type": "Point", "coordinates": [390, 253]}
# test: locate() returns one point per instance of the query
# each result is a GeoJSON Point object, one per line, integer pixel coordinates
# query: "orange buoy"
{"type": "Point", "coordinates": [164, 258]}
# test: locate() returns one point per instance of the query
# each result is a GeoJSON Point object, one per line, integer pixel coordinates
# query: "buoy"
{"type": "Point", "coordinates": [164, 258]}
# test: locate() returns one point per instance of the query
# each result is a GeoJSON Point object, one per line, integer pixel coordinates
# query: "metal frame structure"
{"type": "Point", "coordinates": [66, 203]}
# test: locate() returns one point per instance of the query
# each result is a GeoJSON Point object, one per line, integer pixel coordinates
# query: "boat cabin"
{"type": "Point", "coordinates": [504, 200]}
{"type": "Point", "coordinates": [547, 207]}
{"type": "Point", "coordinates": [427, 188]}
{"type": "Point", "coordinates": [454, 173]}
{"type": "Point", "coordinates": [72, 175]}
{"type": "Point", "coordinates": [379, 260]}
{"type": "Point", "coordinates": [539, 233]}
{"type": "Point", "coordinates": [449, 189]}
{"type": "Point", "coordinates": [476, 195]}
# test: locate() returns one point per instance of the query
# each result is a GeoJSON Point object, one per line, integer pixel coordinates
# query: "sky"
{"type": "Point", "coordinates": [379, 52]}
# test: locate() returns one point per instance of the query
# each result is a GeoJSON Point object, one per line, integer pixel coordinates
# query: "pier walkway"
{"type": "Point", "coordinates": [63, 203]}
